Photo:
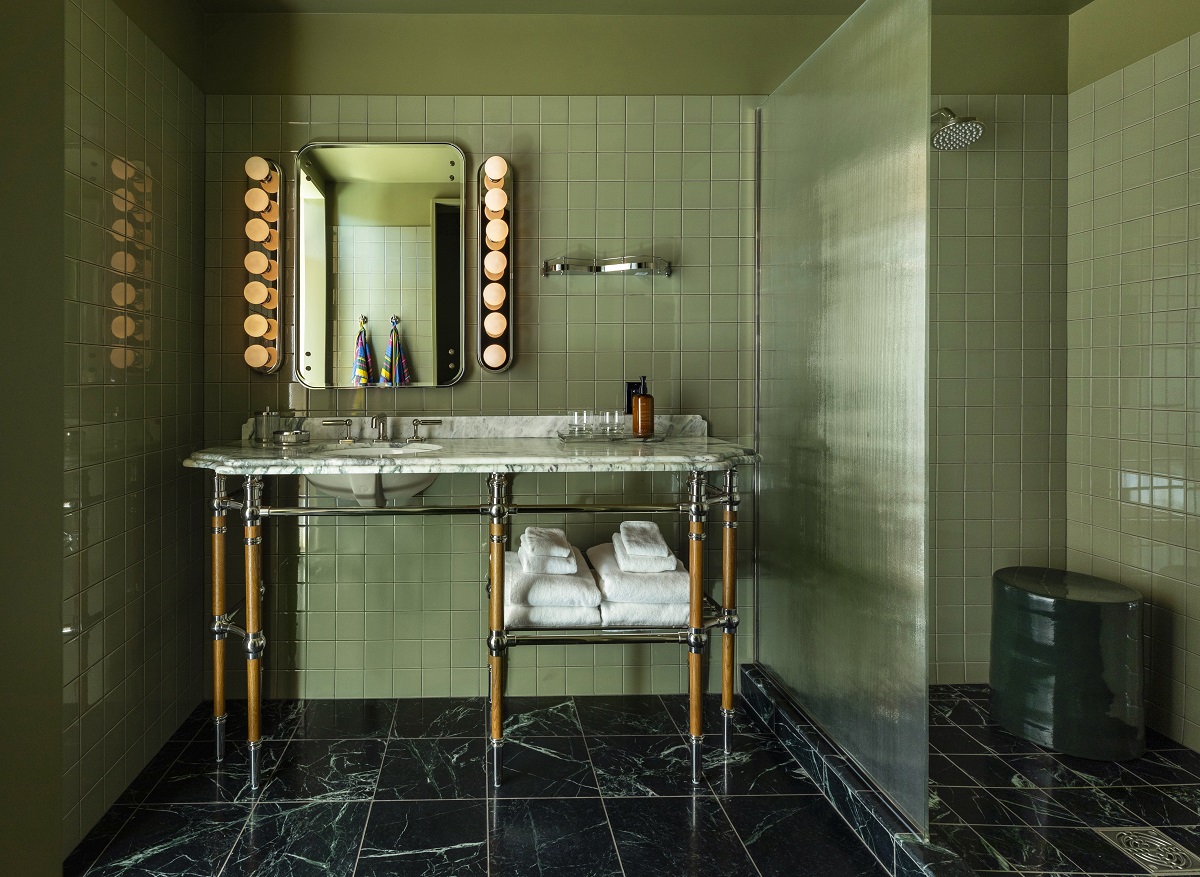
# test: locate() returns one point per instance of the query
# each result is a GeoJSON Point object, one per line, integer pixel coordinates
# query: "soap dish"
{"type": "Point", "coordinates": [291, 436]}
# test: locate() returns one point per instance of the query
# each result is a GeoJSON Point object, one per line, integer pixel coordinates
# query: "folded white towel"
{"type": "Point", "coordinates": [546, 540]}
{"type": "Point", "coordinates": [548, 563]}
{"type": "Point", "coordinates": [545, 589]}
{"type": "Point", "coordinates": [640, 562]}
{"type": "Point", "coordinates": [644, 537]}
{"type": "Point", "coordinates": [551, 616]}
{"type": "Point", "coordinates": [637, 587]}
{"type": "Point", "coordinates": [643, 614]}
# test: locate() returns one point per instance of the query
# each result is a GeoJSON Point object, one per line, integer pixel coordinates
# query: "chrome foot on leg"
{"type": "Point", "coordinates": [697, 767]}
{"type": "Point", "coordinates": [497, 761]}
{"type": "Point", "coordinates": [219, 727]}
{"type": "Point", "coordinates": [254, 752]}
{"type": "Point", "coordinates": [727, 730]}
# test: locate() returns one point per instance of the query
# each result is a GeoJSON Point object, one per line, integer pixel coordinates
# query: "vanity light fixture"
{"type": "Point", "coordinates": [264, 234]}
{"type": "Point", "coordinates": [495, 265]}
{"type": "Point", "coordinates": [131, 228]}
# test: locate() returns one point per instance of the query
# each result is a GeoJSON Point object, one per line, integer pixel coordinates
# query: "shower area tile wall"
{"type": "Point", "coordinates": [1133, 456]}
{"type": "Point", "coordinates": [132, 618]}
{"type": "Point", "coordinates": [998, 365]}
{"type": "Point", "coordinates": [383, 608]}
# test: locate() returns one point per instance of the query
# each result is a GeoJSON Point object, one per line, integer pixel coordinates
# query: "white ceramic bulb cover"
{"type": "Point", "coordinates": [495, 200]}
{"type": "Point", "coordinates": [497, 230]}
{"type": "Point", "coordinates": [494, 356]}
{"type": "Point", "coordinates": [495, 168]}
{"type": "Point", "coordinates": [494, 295]}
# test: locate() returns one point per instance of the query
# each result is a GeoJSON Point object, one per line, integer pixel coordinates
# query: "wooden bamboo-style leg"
{"type": "Point", "coordinates": [729, 604]}
{"type": "Point", "coordinates": [220, 620]}
{"type": "Point", "coordinates": [256, 642]}
{"type": "Point", "coordinates": [497, 640]}
{"type": "Point", "coordinates": [696, 635]}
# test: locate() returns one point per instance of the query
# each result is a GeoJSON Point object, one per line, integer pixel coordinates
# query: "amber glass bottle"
{"type": "Point", "coordinates": [643, 412]}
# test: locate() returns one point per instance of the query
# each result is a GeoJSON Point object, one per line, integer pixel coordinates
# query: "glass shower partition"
{"type": "Point", "coordinates": [842, 408]}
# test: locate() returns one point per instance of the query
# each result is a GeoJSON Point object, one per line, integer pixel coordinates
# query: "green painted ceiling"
{"type": "Point", "coordinates": [635, 7]}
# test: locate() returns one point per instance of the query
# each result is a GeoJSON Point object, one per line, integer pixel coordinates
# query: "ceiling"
{"type": "Point", "coordinates": [633, 7]}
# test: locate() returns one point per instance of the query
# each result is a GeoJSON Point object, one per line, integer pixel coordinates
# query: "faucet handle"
{"type": "Point", "coordinates": [347, 422]}
{"type": "Point", "coordinates": [419, 422]}
{"type": "Point", "coordinates": [380, 422]}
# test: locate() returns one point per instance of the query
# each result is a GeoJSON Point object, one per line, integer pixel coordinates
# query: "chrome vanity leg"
{"type": "Point", "coordinates": [256, 642]}
{"type": "Point", "coordinates": [498, 500]}
{"type": "Point", "coordinates": [697, 638]}
{"type": "Point", "coordinates": [729, 603]}
{"type": "Point", "coordinates": [220, 496]}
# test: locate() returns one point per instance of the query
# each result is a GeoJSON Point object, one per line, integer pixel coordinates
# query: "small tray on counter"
{"type": "Point", "coordinates": [595, 438]}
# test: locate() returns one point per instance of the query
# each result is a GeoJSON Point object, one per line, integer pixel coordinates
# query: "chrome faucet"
{"type": "Point", "coordinates": [379, 422]}
{"type": "Point", "coordinates": [417, 423]}
{"type": "Point", "coordinates": [347, 422]}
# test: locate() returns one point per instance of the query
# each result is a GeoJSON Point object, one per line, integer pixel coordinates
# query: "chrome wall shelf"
{"type": "Point", "coordinates": [637, 265]}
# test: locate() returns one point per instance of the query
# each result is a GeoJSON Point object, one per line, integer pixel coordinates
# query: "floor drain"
{"type": "Point", "coordinates": [1152, 849]}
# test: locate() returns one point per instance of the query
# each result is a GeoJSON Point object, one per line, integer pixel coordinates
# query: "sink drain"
{"type": "Point", "coordinates": [1152, 849]}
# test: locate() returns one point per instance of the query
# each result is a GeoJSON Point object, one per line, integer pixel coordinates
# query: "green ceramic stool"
{"type": "Point", "coordinates": [1067, 662]}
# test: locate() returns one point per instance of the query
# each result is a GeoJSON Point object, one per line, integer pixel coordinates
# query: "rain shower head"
{"type": "Point", "coordinates": [954, 132]}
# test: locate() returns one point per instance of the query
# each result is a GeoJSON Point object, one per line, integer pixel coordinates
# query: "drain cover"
{"type": "Point", "coordinates": [1152, 849]}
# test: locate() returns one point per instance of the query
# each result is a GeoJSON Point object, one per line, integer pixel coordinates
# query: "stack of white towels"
{"type": "Point", "coordinates": [547, 583]}
{"type": "Point", "coordinates": [642, 583]}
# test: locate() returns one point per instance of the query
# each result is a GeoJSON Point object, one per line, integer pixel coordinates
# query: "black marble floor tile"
{"type": "Point", "coordinates": [1020, 847]}
{"type": "Point", "coordinates": [199, 718]}
{"type": "Point", "coordinates": [744, 719]}
{"type": "Point", "coordinates": [1045, 771]}
{"type": "Point", "coordinates": [342, 719]}
{"type": "Point", "coordinates": [642, 765]}
{"type": "Point", "coordinates": [543, 767]}
{"type": "Point", "coordinates": [440, 717]}
{"type": "Point", "coordinates": [1100, 773]}
{"type": "Point", "coordinates": [1000, 742]}
{"type": "Point", "coordinates": [278, 717]}
{"type": "Point", "coordinates": [425, 839]}
{"type": "Point", "coordinates": [1187, 836]}
{"type": "Point", "coordinates": [953, 740]}
{"type": "Point", "coordinates": [1158, 768]}
{"type": "Point", "coordinates": [94, 843]}
{"type": "Point", "coordinates": [917, 857]}
{"type": "Point", "coordinates": [975, 806]}
{"type": "Point", "coordinates": [180, 840]}
{"type": "Point", "coordinates": [326, 770]}
{"type": "Point", "coordinates": [990, 771]}
{"type": "Point", "coordinates": [677, 836]}
{"type": "Point", "coordinates": [624, 714]}
{"type": "Point", "coordinates": [798, 837]}
{"type": "Point", "coordinates": [1065, 808]}
{"type": "Point", "coordinates": [153, 772]}
{"type": "Point", "coordinates": [551, 838]}
{"type": "Point", "coordinates": [298, 839]}
{"type": "Point", "coordinates": [416, 768]}
{"type": "Point", "coordinates": [1090, 853]}
{"type": "Point", "coordinates": [757, 766]}
{"type": "Point", "coordinates": [970, 713]}
{"type": "Point", "coordinates": [196, 777]}
{"type": "Point", "coordinates": [945, 772]}
{"type": "Point", "coordinates": [540, 717]}
{"type": "Point", "coordinates": [1157, 806]}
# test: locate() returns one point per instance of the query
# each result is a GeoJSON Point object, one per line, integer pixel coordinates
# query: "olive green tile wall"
{"type": "Point", "coordinates": [1133, 453]}
{"type": "Point", "coordinates": [998, 364]}
{"type": "Point", "coordinates": [132, 406]}
{"type": "Point", "coordinates": [382, 608]}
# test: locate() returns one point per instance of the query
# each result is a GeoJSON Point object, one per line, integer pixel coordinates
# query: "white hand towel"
{"type": "Point", "coordinates": [548, 563]}
{"type": "Point", "coordinates": [544, 589]}
{"type": "Point", "coordinates": [546, 540]}
{"type": "Point", "coordinates": [551, 616]}
{"type": "Point", "coordinates": [637, 587]}
{"type": "Point", "coordinates": [640, 562]}
{"type": "Point", "coordinates": [644, 537]}
{"type": "Point", "coordinates": [643, 614]}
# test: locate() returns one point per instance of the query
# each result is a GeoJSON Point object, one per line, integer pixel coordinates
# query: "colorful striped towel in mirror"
{"type": "Point", "coordinates": [362, 356]}
{"type": "Point", "coordinates": [393, 371]}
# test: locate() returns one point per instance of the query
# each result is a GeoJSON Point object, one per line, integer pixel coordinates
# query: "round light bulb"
{"type": "Point", "coordinates": [494, 295]}
{"type": "Point", "coordinates": [272, 300]}
{"type": "Point", "coordinates": [256, 325]}
{"type": "Point", "coordinates": [257, 200]}
{"type": "Point", "coordinates": [495, 168]}
{"type": "Point", "coordinates": [256, 356]}
{"type": "Point", "coordinates": [257, 230]}
{"type": "Point", "coordinates": [497, 231]}
{"type": "Point", "coordinates": [255, 292]}
{"type": "Point", "coordinates": [495, 200]}
{"type": "Point", "coordinates": [494, 356]}
{"type": "Point", "coordinates": [495, 324]}
{"type": "Point", "coordinates": [494, 264]}
{"type": "Point", "coordinates": [257, 168]}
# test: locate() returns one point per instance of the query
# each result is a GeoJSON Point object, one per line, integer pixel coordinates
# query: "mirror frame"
{"type": "Point", "coordinates": [297, 347]}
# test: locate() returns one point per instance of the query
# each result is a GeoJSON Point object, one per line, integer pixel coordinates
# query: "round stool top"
{"type": "Point", "coordinates": [1059, 584]}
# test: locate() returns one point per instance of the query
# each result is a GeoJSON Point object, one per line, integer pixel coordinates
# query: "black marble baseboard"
{"type": "Point", "coordinates": [900, 850]}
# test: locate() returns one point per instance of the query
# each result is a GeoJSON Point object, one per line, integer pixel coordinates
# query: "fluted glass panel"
{"type": "Point", "coordinates": [842, 610]}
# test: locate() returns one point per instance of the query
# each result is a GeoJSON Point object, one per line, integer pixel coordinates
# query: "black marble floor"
{"type": "Point", "coordinates": [592, 786]}
{"type": "Point", "coordinates": [1007, 805]}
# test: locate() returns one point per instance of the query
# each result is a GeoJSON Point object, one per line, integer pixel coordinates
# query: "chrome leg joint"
{"type": "Point", "coordinates": [727, 730]}
{"type": "Point", "coordinates": [497, 643]}
{"type": "Point", "coordinates": [219, 730]}
{"type": "Point", "coordinates": [256, 645]}
{"type": "Point", "coordinates": [697, 500]}
{"type": "Point", "coordinates": [222, 625]}
{"type": "Point", "coordinates": [697, 764]}
{"type": "Point", "coordinates": [730, 621]}
{"type": "Point", "coordinates": [497, 761]}
{"type": "Point", "coordinates": [254, 764]}
{"type": "Point", "coordinates": [697, 640]}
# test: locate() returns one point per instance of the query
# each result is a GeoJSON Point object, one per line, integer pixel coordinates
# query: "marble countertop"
{"type": "Point", "coordinates": [472, 445]}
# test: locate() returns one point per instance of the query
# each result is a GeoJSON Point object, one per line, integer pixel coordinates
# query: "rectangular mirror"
{"type": "Point", "coordinates": [379, 234]}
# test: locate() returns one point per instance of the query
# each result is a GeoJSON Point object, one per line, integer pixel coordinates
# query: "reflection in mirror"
{"type": "Point", "coordinates": [379, 235]}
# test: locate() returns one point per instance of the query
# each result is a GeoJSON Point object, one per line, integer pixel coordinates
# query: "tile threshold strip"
{"type": "Point", "coordinates": [1152, 849]}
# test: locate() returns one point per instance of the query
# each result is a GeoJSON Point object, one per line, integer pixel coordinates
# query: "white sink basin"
{"type": "Point", "coordinates": [374, 489]}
